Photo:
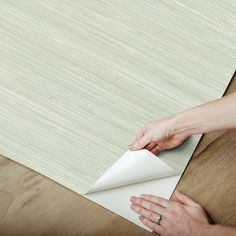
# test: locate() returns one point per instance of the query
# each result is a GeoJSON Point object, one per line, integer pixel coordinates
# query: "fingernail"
{"type": "Point", "coordinates": [132, 147]}
{"type": "Point", "coordinates": [132, 199]}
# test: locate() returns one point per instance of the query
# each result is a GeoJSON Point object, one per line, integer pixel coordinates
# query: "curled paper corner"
{"type": "Point", "coordinates": [133, 167]}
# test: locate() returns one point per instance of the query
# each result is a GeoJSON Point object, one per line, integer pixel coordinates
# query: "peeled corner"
{"type": "Point", "coordinates": [133, 167]}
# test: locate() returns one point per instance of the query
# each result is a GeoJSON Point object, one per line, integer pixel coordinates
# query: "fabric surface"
{"type": "Point", "coordinates": [79, 79]}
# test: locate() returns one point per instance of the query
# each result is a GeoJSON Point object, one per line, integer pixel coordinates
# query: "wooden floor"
{"type": "Point", "coordinates": [31, 204]}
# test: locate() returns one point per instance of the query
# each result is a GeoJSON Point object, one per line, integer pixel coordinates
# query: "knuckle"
{"type": "Point", "coordinates": [137, 143]}
{"type": "Point", "coordinates": [153, 216]}
{"type": "Point", "coordinates": [148, 197]}
{"type": "Point", "coordinates": [142, 203]}
{"type": "Point", "coordinates": [153, 206]}
{"type": "Point", "coordinates": [177, 205]}
{"type": "Point", "coordinates": [150, 215]}
{"type": "Point", "coordinates": [142, 211]}
{"type": "Point", "coordinates": [145, 221]}
{"type": "Point", "coordinates": [138, 209]}
{"type": "Point", "coordinates": [138, 201]}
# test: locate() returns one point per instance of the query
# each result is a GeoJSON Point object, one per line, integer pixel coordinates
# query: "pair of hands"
{"type": "Point", "coordinates": [182, 217]}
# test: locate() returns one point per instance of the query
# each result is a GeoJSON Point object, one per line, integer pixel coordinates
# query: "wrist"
{"type": "Point", "coordinates": [202, 230]}
{"type": "Point", "coordinates": [216, 229]}
{"type": "Point", "coordinates": [184, 123]}
{"type": "Point", "coordinates": [207, 230]}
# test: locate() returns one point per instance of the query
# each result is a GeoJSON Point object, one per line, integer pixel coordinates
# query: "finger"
{"type": "Point", "coordinates": [140, 143]}
{"type": "Point", "coordinates": [146, 213]}
{"type": "Point", "coordinates": [151, 225]}
{"type": "Point", "coordinates": [157, 149]}
{"type": "Point", "coordinates": [149, 205]}
{"type": "Point", "coordinates": [157, 200]}
{"type": "Point", "coordinates": [164, 222]}
{"type": "Point", "coordinates": [150, 146]}
{"type": "Point", "coordinates": [140, 134]}
{"type": "Point", "coordinates": [185, 199]}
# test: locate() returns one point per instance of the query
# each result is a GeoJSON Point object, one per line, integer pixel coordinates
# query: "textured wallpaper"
{"type": "Point", "coordinates": [79, 79]}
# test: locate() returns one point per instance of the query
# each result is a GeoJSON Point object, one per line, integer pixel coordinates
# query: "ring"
{"type": "Point", "coordinates": [158, 219]}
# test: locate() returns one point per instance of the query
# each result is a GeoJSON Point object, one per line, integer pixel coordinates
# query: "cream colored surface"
{"type": "Point", "coordinates": [133, 167]}
{"type": "Point", "coordinates": [78, 79]}
{"type": "Point", "coordinates": [117, 199]}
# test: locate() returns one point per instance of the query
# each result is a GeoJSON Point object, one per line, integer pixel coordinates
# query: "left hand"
{"type": "Point", "coordinates": [184, 217]}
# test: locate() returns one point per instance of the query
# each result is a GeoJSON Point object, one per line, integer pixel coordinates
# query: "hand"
{"type": "Point", "coordinates": [158, 136]}
{"type": "Point", "coordinates": [183, 217]}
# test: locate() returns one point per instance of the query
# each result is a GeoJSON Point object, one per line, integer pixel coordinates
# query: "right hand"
{"type": "Point", "coordinates": [158, 136]}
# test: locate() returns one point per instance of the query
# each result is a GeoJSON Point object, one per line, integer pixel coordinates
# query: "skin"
{"type": "Point", "coordinates": [182, 217]}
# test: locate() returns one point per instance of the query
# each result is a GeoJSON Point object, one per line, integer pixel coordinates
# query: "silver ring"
{"type": "Point", "coordinates": [158, 219]}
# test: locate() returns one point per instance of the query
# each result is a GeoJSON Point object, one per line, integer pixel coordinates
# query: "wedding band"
{"type": "Point", "coordinates": [158, 219]}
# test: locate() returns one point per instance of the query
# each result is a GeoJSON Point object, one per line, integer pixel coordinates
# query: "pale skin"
{"type": "Point", "coordinates": [184, 216]}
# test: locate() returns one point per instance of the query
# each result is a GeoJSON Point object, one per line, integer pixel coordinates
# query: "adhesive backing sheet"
{"type": "Point", "coordinates": [79, 79]}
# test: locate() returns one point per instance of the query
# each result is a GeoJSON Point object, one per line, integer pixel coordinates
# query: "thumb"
{"type": "Point", "coordinates": [141, 143]}
{"type": "Point", "coordinates": [185, 199]}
